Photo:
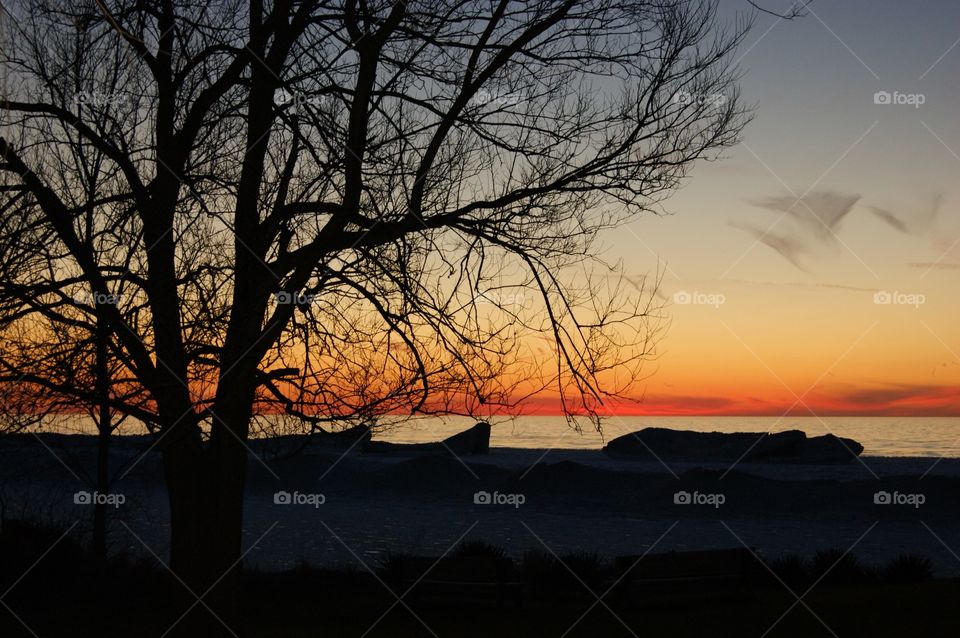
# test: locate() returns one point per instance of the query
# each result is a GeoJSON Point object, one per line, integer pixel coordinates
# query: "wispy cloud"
{"type": "Point", "coordinates": [936, 265]}
{"type": "Point", "coordinates": [808, 225]}
{"type": "Point", "coordinates": [911, 223]}
{"type": "Point", "coordinates": [803, 226]}
{"type": "Point", "coordinates": [789, 248]}
{"type": "Point", "coordinates": [896, 399]}
{"type": "Point", "coordinates": [796, 284]}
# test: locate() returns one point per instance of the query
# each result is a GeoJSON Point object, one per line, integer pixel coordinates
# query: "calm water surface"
{"type": "Point", "coordinates": [880, 436]}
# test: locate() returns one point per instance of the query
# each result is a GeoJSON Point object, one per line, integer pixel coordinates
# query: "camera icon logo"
{"type": "Point", "coordinates": [82, 498]}
{"type": "Point", "coordinates": [882, 97]}
{"type": "Point", "coordinates": [682, 297]}
{"type": "Point", "coordinates": [282, 97]}
{"type": "Point", "coordinates": [882, 498]}
{"type": "Point", "coordinates": [482, 498]}
{"type": "Point", "coordinates": [882, 297]}
{"type": "Point", "coordinates": [282, 498]}
{"type": "Point", "coordinates": [286, 298]}
{"type": "Point", "coordinates": [682, 498]}
{"type": "Point", "coordinates": [482, 97]}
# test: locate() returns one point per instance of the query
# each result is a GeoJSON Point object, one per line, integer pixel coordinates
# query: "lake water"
{"type": "Point", "coordinates": [880, 436]}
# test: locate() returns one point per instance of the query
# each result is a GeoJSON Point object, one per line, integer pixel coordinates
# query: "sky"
{"type": "Point", "coordinates": [815, 269]}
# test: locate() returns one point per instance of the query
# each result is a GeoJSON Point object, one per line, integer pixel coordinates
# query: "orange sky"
{"type": "Point", "coordinates": [821, 257]}
{"type": "Point", "coordinates": [776, 311]}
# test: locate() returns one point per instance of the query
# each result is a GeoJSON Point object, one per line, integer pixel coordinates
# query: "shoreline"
{"type": "Point", "coordinates": [509, 457]}
{"type": "Point", "coordinates": [573, 501]}
{"type": "Point", "coordinates": [880, 436]}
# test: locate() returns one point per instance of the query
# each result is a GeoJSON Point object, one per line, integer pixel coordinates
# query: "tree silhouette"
{"type": "Point", "coordinates": [329, 209]}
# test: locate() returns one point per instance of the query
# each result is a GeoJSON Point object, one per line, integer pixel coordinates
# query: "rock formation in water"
{"type": "Point", "coordinates": [475, 440]}
{"type": "Point", "coordinates": [792, 446]}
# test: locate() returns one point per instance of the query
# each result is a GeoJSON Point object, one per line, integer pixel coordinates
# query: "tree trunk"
{"type": "Point", "coordinates": [205, 486]}
{"type": "Point", "coordinates": [103, 487]}
{"type": "Point", "coordinates": [104, 431]}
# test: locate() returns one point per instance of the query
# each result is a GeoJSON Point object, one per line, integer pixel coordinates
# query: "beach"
{"type": "Point", "coordinates": [337, 507]}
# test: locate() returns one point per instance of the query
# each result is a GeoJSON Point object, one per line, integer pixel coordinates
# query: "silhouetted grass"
{"type": "Point", "coordinates": [793, 570]}
{"type": "Point", "coordinates": [838, 566]}
{"type": "Point", "coordinates": [479, 549]}
{"type": "Point", "coordinates": [125, 597]}
{"type": "Point", "coordinates": [906, 569]}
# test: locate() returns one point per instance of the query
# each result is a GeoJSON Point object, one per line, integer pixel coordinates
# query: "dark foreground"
{"type": "Point", "coordinates": [63, 591]}
{"type": "Point", "coordinates": [331, 509]}
{"type": "Point", "coordinates": [533, 544]}
{"type": "Point", "coordinates": [896, 611]}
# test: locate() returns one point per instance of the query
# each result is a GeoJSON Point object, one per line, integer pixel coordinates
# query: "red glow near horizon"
{"type": "Point", "coordinates": [935, 402]}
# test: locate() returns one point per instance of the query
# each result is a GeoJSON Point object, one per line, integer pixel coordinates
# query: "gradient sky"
{"type": "Point", "coordinates": [806, 325]}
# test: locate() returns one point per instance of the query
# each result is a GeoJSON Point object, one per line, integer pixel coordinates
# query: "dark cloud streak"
{"type": "Point", "coordinates": [812, 222]}
{"type": "Point", "coordinates": [915, 224]}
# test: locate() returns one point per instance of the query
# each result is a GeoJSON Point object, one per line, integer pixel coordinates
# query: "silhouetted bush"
{"type": "Point", "coordinates": [45, 562]}
{"type": "Point", "coordinates": [906, 569]}
{"type": "Point", "coordinates": [547, 576]}
{"type": "Point", "coordinates": [792, 569]}
{"type": "Point", "coordinates": [838, 567]}
{"type": "Point", "coordinates": [479, 549]}
{"type": "Point", "coordinates": [537, 568]}
{"type": "Point", "coordinates": [22, 544]}
{"type": "Point", "coordinates": [588, 567]}
{"type": "Point", "coordinates": [390, 568]}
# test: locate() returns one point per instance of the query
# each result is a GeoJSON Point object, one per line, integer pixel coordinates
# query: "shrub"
{"type": "Point", "coordinates": [907, 568]}
{"type": "Point", "coordinates": [792, 569]}
{"type": "Point", "coordinates": [838, 567]}
{"type": "Point", "coordinates": [479, 549]}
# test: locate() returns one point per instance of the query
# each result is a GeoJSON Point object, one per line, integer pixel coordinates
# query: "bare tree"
{"type": "Point", "coordinates": [329, 209]}
{"type": "Point", "coordinates": [796, 9]}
